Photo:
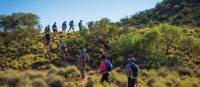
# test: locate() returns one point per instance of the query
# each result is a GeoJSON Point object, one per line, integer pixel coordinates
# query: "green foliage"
{"type": "Point", "coordinates": [24, 82]}
{"type": "Point", "coordinates": [72, 72]}
{"type": "Point", "coordinates": [176, 12]}
{"type": "Point", "coordinates": [118, 78]}
{"type": "Point", "coordinates": [39, 83]}
{"type": "Point", "coordinates": [163, 77]}
{"type": "Point", "coordinates": [18, 21]}
{"type": "Point", "coordinates": [158, 46]}
{"type": "Point", "coordinates": [56, 81]}
{"type": "Point", "coordinates": [9, 77]}
{"type": "Point", "coordinates": [154, 47]}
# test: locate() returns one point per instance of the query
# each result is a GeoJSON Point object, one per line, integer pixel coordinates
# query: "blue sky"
{"type": "Point", "coordinates": [51, 11]}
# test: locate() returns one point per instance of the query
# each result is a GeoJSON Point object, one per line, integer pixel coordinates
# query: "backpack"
{"type": "Point", "coordinates": [134, 70]}
{"type": "Point", "coordinates": [83, 61]}
{"type": "Point", "coordinates": [109, 65]}
{"type": "Point", "coordinates": [63, 46]}
{"type": "Point", "coordinates": [47, 36]}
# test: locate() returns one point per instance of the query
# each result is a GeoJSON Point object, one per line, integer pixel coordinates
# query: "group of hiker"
{"type": "Point", "coordinates": [64, 27]}
{"type": "Point", "coordinates": [105, 66]}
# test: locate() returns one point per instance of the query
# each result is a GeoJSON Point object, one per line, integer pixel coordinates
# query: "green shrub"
{"type": "Point", "coordinates": [162, 73]}
{"type": "Point", "coordinates": [72, 72]}
{"type": "Point", "coordinates": [95, 79]}
{"type": "Point", "coordinates": [24, 82]}
{"type": "Point", "coordinates": [38, 82]}
{"type": "Point", "coordinates": [185, 71]}
{"type": "Point", "coordinates": [35, 74]}
{"type": "Point", "coordinates": [62, 72]}
{"type": "Point", "coordinates": [53, 70]}
{"type": "Point", "coordinates": [71, 84]}
{"type": "Point", "coordinates": [118, 78]}
{"type": "Point", "coordinates": [55, 81]}
{"type": "Point", "coordinates": [10, 78]}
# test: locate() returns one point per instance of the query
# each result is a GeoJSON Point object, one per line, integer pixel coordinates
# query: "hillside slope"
{"type": "Point", "coordinates": [176, 12]}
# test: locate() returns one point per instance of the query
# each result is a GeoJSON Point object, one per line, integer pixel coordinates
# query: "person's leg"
{"type": "Point", "coordinates": [63, 30]}
{"type": "Point", "coordinates": [103, 78]}
{"type": "Point", "coordinates": [69, 29]}
{"type": "Point", "coordinates": [106, 77]}
{"type": "Point", "coordinates": [65, 55]}
{"type": "Point", "coordinates": [83, 74]}
{"type": "Point", "coordinates": [134, 82]}
{"type": "Point", "coordinates": [130, 83]}
{"type": "Point", "coordinates": [73, 29]}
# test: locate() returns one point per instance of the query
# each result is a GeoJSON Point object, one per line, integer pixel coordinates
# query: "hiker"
{"type": "Point", "coordinates": [82, 61]}
{"type": "Point", "coordinates": [63, 50]}
{"type": "Point", "coordinates": [54, 28]}
{"type": "Point", "coordinates": [47, 29]}
{"type": "Point", "coordinates": [105, 68]}
{"type": "Point", "coordinates": [133, 71]}
{"type": "Point", "coordinates": [64, 26]}
{"type": "Point", "coordinates": [47, 43]}
{"type": "Point", "coordinates": [71, 26]}
{"type": "Point", "coordinates": [47, 39]}
{"type": "Point", "coordinates": [80, 25]}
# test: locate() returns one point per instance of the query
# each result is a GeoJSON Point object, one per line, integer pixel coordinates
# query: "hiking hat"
{"type": "Point", "coordinates": [131, 60]}
{"type": "Point", "coordinates": [84, 50]}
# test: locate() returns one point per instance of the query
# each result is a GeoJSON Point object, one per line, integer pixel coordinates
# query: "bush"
{"type": "Point", "coordinates": [94, 80]}
{"type": "Point", "coordinates": [10, 78]}
{"type": "Point", "coordinates": [72, 84]}
{"type": "Point", "coordinates": [119, 79]}
{"type": "Point", "coordinates": [55, 81]}
{"type": "Point", "coordinates": [185, 71]}
{"type": "Point", "coordinates": [72, 72]}
{"type": "Point", "coordinates": [24, 82]}
{"type": "Point", "coordinates": [38, 82]}
{"type": "Point", "coordinates": [53, 70]}
{"type": "Point", "coordinates": [35, 74]}
{"type": "Point", "coordinates": [62, 72]}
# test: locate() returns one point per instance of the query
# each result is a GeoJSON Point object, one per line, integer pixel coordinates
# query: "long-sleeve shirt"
{"type": "Point", "coordinates": [82, 54]}
{"type": "Point", "coordinates": [129, 69]}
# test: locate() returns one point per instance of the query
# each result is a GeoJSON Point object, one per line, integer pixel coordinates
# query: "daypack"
{"type": "Point", "coordinates": [63, 46]}
{"type": "Point", "coordinates": [134, 70]}
{"type": "Point", "coordinates": [83, 61]}
{"type": "Point", "coordinates": [109, 65]}
{"type": "Point", "coordinates": [47, 36]}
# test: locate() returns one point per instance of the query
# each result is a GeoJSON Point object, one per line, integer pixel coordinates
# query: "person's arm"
{"type": "Point", "coordinates": [79, 58]}
{"type": "Point", "coordinates": [127, 67]}
{"type": "Point", "coordinates": [88, 57]}
{"type": "Point", "coordinates": [138, 69]}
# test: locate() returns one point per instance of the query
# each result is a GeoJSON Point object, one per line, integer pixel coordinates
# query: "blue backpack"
{"type": "Point", "coordinates": [109, 65]}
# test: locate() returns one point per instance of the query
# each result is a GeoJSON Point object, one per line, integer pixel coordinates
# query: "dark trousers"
{"type": "Point", "coordinates": [131, 82]}
{"type": "Point", "coordinates": [83, 73]}
{"type": "Point", "coordinates": [105, 77]}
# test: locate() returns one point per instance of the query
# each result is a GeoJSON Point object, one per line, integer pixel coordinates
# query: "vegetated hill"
{"type": "Point", "coordinates": [176, 12]}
